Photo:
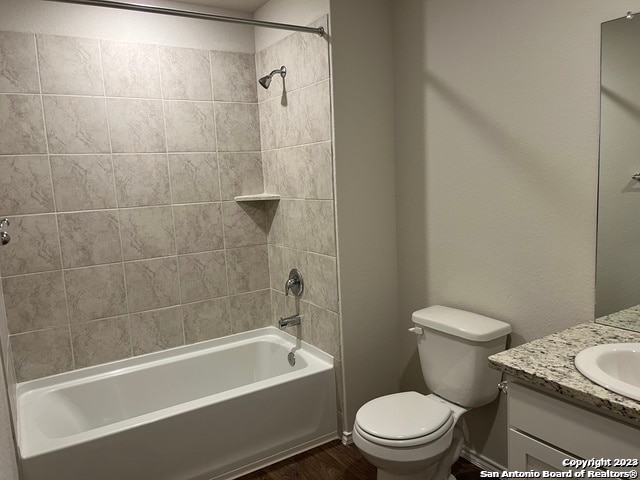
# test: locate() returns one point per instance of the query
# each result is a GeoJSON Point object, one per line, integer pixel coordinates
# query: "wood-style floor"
{"type": "Point", "coordinates": [334, 461]}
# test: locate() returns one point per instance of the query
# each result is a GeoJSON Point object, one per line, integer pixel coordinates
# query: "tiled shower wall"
{"type": "Point", "coordinates": [296, 132]}
{"type": "Point", "coordinates": [119, 166]}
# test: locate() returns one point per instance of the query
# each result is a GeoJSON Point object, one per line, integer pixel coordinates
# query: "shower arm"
{"type": "Point", "coordinates": [192, 14]}
{"type": "Point", "coordinates": [282, 71]}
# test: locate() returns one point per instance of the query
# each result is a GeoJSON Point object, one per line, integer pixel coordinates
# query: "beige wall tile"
{"type": "Point", "coordinates": [250, 311]}
{"type": "Point", "coordinates": [34, 247]}
{"type": "Point", "coordinates": [190, 126]}
{"type": "Point", "coordinates": [238, 127]}
{"type": "Point", "coordinates": [26, 185]}
{"type": "Point", "coordinates": [95, 292]}
{"type": "Point", "coordinates": [322, 328]}
{"type": "Point", "coordinates": [207, 320]}
{"type": "Point", "coordinates": [240, 174]}
{"type": "Point", "coordinates": [247, 269]}
{"type": "Point", "coordinates": [272, 182]}
{"type": "Point", "coordinates": [42, 353]}
{"type": "Point", "coordinates": [318, 158]}
{"type": "Point", "coordinates": [307, 116]}
{"type": "Point", "coordinates": [276, 268]}
{"type": "Point", "coordinates": [292, 170]}
{"type": "Point", "coordinates": [34, 302]}
{"type": "Point", "coordinates": [278, 308]}
{"type": "Point", "coordinates": [194, 177]}
{"type": "Point", "coordinates": [18, 66]}
{"type": "Point", "coordinates": [136, 126]}
{"type": "Point", "coordinates": [101, 341]}
{"type": "Point", "coordinates": [304, 171]}
{"type": "Point", "coordinates": [321, 236]}
{"type": "Point", "coordinates": [294, 228]}
{"type": "Point", "coordinates": [89, 238]}
{"type": "Point", "coordinates": [69, 65]}
{"type": "Point", "coordinates": [83, 182]}
{"type": "Point", "coordinates": [21, 125]}
{"type": "Point", "coordinates": [147, 232]}
{"type": "Point", "coordinates": [185, 73]}
{"type": "Point", "coordinates": [233, 77]}
{"type": "Point", "coordinates": [76, 124]}
{"type": "Point", "coordinates": [202, 276]}
{"type": "Point", "coordinates": [321, 281]}
{"type": "Point", "coordinates": [274, 223]}
{"type": "Point", "coordinates": [152, 284]}
{"type": "Point", "coordinates": [156, 330]}
{"type": "Point", "coordinates": [142, 180]}
{"type": "Point", "coordinates": [244, 224]}
{"type": "Point", "coordinates": [198, 227]}
{"type": "Point", "coordinates": [130, 69]}
{"type": "Point", "coordinates": [270, 112]}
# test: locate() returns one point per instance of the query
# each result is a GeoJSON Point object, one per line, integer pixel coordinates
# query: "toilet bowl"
{"type": "Point", "coordinates": [406, 435]}
{"type": "Point", "coordinates": [410, 436]}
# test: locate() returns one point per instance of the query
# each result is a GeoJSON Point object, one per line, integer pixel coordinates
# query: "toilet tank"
{"type": "Point", "coordinates": [453, 348]}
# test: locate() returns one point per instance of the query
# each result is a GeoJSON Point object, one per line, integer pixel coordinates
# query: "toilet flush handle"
{"type": "Point", "coordinates": [416, 330]}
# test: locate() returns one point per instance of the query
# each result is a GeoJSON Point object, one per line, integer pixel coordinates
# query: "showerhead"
{"type": "Point", "coordinates": [266, 80]}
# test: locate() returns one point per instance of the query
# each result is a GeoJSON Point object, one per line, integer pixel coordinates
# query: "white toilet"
{"type": "Point", "coordinates": [410, 436]}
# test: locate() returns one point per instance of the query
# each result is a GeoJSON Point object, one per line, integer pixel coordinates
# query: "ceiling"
{"type": "Point", "coordinates": [248, 6]}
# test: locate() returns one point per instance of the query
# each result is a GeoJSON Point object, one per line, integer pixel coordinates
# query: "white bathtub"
{"type": "Point", "coordinates": [217, 409]}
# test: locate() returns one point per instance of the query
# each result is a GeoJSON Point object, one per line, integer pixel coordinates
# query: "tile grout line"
{"type": "Point", "coordinates": [117, 208]}
{"type": "Point", "coordinates": [55, 206]}
{"type": "Point", "coordinates": [224, 239]}
{"type": "Point", "coordinates": [173, 214]}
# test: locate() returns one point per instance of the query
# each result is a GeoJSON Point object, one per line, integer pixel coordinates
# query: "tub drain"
{"type": "Point", "coordinates": [292, 358]}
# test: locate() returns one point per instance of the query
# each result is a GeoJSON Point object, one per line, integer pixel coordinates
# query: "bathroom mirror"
{"type": "Point", "coordinates": [618, 250]}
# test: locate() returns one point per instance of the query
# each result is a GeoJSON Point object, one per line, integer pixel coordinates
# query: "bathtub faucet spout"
{"type": "Point", "coordinates": [289, 321]}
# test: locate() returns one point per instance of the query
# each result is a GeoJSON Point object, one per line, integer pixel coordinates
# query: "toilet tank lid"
{"type": "Point", "coordinates": [461, 323]}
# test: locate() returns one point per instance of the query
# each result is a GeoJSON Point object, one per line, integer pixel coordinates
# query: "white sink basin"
{"type": "Point", "coordinates": [615, 366]}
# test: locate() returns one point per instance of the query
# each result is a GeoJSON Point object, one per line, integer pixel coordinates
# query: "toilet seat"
{"type": "Point", "coordinates": [403, 420]}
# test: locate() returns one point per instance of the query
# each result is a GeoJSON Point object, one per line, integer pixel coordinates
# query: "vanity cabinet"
{"type": "Point", "coordinates": [544, 430]}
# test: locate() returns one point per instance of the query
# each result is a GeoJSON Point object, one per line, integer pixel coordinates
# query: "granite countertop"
{"type": "Point", "coordinates": [547, 363]}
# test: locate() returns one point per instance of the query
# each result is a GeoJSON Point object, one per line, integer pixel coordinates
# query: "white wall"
{"type": "Point", "coordinates": [298, 12]}
{"type": "Point", "coordinates": [497, 120]}
{"type": "Point", "coordinates": [37, 16]}
{"type": "Point", "coordinates": [362, 56]}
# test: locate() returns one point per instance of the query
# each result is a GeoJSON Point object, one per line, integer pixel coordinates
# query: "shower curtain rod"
{"type": "Point", "coordinates": [189, 14]}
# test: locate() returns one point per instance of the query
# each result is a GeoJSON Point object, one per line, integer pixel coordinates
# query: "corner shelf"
{"type": "Point", "coordinates": [258, 197]}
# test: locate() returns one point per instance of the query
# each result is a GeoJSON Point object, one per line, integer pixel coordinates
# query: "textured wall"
{"type": "Point", "coordinates": [497, 109]}
{"type": "Point", "coordinates": [361, 43]}
{"type": "Point", "coordinates": [51, 18]}
{"type": "Point", "coordinates": [121, 163]}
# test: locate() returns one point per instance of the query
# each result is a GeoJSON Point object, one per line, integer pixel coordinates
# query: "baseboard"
{"type": "Point", "coordinates": [481, 461]}
{"type": "Point", "coordinates": [347, 438]}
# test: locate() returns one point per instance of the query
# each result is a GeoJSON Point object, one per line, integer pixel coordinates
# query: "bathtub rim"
{"type": "Point", "coordinates": [317, 361]}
